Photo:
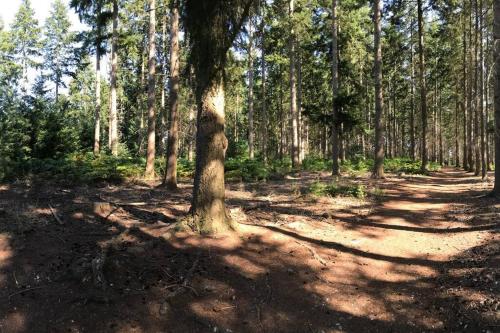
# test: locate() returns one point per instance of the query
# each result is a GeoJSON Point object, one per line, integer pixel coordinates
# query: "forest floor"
{"type": "Point", "coordinates": [420, 255]}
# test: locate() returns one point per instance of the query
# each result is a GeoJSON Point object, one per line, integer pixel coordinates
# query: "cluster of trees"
{"type": "Point", "coordinates": [263, 79]}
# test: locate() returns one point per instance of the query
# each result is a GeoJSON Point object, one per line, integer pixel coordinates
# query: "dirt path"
{"type": "Point", "coordinates": [423, 255]}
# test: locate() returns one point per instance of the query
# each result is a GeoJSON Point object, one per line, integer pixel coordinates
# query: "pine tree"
{"type": "Point", "coordinates": [25, 37]}
{"type": "Point", "coordinates": [57, 49]}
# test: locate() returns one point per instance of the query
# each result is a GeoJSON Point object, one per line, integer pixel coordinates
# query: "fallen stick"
{"type": "Point", "coordinates": [58, 219]}
{"type": "Point", "coordinates": [313, 252]}
{"type": "Point", "coordinates": [24, 290]}
{"type": "Point", "coordinates": [185, 281]}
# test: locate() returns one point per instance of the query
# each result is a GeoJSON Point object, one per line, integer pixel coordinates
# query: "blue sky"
{"type": "Point", "coordinates": [42, 9]}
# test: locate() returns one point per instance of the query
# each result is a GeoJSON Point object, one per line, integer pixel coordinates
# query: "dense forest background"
{"type": "Point", "coordinates": [281, 110]}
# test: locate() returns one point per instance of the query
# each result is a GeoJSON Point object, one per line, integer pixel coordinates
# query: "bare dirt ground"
{"type": "Point", "coordinates": [419, 255]}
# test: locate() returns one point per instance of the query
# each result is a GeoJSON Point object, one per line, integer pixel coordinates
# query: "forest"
{"type": "Point", "coordinates": [250, 166]}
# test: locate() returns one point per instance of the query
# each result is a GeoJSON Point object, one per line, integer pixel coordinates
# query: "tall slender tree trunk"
{"type": "Point", "coordinates": [423, 86]}
{"type": "Point", "coordinates": [496, 58]}
{"type": "Point", "coordinates": [477, 109]}
{"type": "Point", "coordinates": [251, 134]}
{"type": "Point", "coordinates": [464, 91]}
{"type": "Point", "coordinates": [163, 109]}
{"type": "Point", "coordinates": [335, 92]}
{"type": "Point", "coordinates": [412, 97]}
{"type": "Point", "coordinates": [173, 132]}
{"type": "Point", "coordinates": [294, 117]}
{"type": "Point", "coordinates": [151, 151]}
{"type": "Point", "coordinates": [302, 120]}
{"type": "Point", "coordinates": [470, 133]}
{"type": "Point", "coordinates": [265, 116]}
{"type": "Point", "coordinates": [378, 168]}
{"type": "Point", "coordinates": [113, 113]}
{"type": "Point", "coordinates": [457, 132]}
{"type": "Point", "coordinates": [97, 116]}
{"type": "Point", "coordinates": [481, 94]}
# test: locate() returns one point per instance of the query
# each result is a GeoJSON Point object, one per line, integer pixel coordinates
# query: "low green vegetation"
{"type": "Point", "coordinates": [334, 190]}
{"type": "Point", "coordinates": [84, 167]}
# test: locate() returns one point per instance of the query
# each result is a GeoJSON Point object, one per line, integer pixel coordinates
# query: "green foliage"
{"type": "Point", "coordinates": [406, 165]}
{"type": "Point", "coordinates": [316, 163]}
{"type": "Point", "coordinates": [333, 190]}
{"type": "Point", "coordinates": [84, 168]}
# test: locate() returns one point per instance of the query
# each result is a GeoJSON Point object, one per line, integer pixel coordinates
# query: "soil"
{"type": "Point", "coordinates": [419, 254]}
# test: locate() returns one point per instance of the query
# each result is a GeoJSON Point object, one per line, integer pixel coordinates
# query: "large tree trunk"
{"type": "Point", "coordinates": [113, 114]}
{"type": "Point", "coordinates": [150, 158]}
{"type": "Point", "coordinates": [97, 116]}
{"type": "Point", "coordinates": [212, 28]}
{"type": "Point", "coordinates": [423, 87]}
{"type": "Point", "coordinates": [378, 169]}
{"type": "Point", "coordinates": [335, 93]}
{"type": "Point", "coordinates": [294, 116]}
{"type": "Point", "coordinates": [173, 132]}
{"type": "Point", "coordinates": [496, 57]}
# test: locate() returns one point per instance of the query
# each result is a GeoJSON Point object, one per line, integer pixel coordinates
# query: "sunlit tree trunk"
{"type": "Point", "coordinates": [378, 169]}
{"type": "Point", "coordinates": [212, 28]}
{"type": "Point", "coordinates": [173, 132]}
{"type": "Point", "coordinates": [423, 87]}
{"type": "Point", "coordinates": [151, 151]}
{"type": "Point", "coordinates": [113, 113]}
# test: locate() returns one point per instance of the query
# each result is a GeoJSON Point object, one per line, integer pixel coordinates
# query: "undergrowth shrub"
{"type": "Point", "coordinates": [333, 190]}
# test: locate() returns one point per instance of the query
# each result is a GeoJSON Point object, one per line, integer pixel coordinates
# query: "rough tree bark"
{"type": "Point", "coordinates": [212, 27]}
{"type": "Point", "coordinates": [173, 132]}
{"type": "Point", "coordinates": [151, 150]}
{"type": "Point", "coordinates": [378, 169]}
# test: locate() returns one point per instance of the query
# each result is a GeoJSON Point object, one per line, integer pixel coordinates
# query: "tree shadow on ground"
{"type": "Point", "coordinates": [266, 279]}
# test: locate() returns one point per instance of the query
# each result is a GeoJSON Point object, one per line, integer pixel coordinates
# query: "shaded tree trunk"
{"type": "Point", "coordinates": [378, 168]}
{"type": "Point", "coordinates": [173, 132]}
{"type": "Point", "coordinates": [151, 150]}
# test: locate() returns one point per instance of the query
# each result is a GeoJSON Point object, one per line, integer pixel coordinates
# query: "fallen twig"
{"type": "Point", "coordinates": [58, 219]}
{"type": "Point", "coordinates": [24, 290]}
{"type": "Point", "coordinates": [185, 280]}
{"type": "Point", "coordinates": [313, 252]}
